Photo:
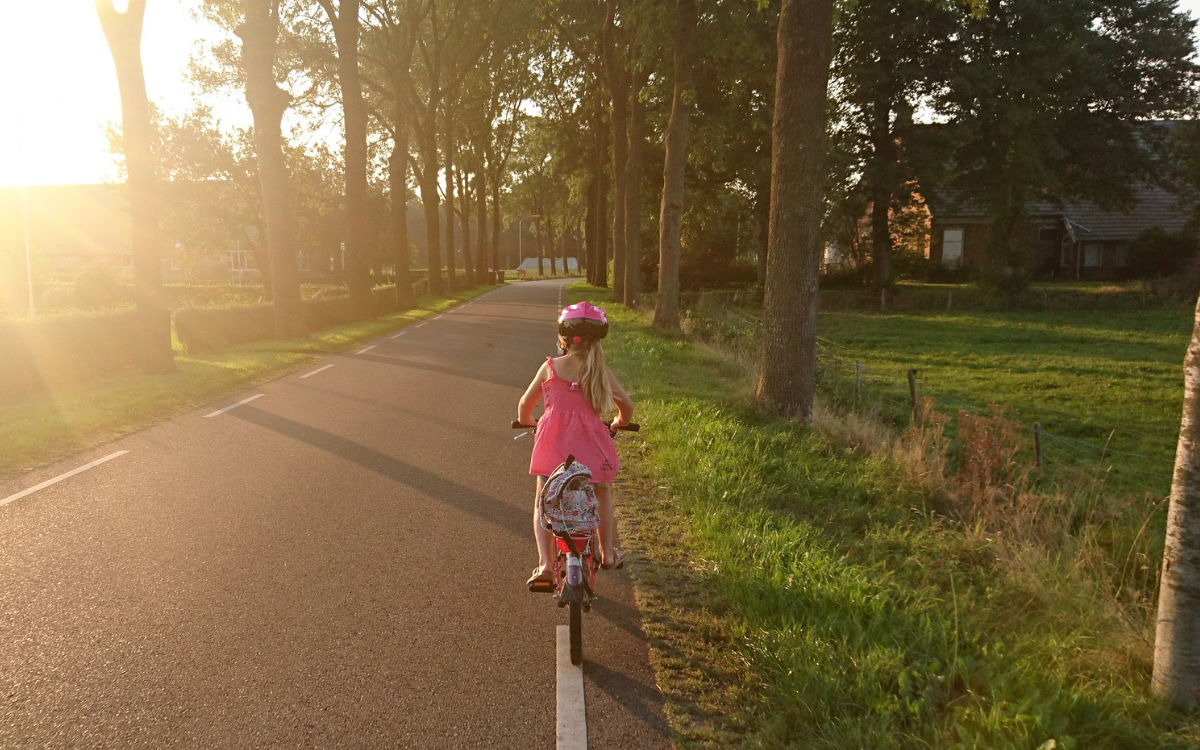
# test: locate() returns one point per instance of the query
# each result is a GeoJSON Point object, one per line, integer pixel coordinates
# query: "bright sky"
{"type": "Point", "coordinates": [59, 86]}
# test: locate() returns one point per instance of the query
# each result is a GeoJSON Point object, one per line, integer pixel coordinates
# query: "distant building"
{"type": "Point", "coordinates": [1077, 240]}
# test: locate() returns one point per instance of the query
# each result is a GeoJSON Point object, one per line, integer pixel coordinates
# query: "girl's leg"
{"type": "Point", "coordinates": [608, 522]}
{"type": "Point", "coordinates": [543, 538]}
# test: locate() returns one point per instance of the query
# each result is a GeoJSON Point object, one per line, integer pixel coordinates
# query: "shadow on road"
{"type": "Point", "coordinates": [485, 507]}
{"type": "Point", "coordinates": [642, 701]}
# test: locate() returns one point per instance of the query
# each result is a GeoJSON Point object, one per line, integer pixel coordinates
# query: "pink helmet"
{"type": "Point", "coordinates": [583, 320]}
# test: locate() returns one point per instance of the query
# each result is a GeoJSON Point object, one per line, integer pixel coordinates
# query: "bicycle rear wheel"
{"type": "Point", "coordinates": [576, 633]}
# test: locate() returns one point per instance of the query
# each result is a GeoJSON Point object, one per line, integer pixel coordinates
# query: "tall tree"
{"type": "Point", "coordinates": [666, 308]}
{"type": "Point", "coordinates": [345, 22]}
{"type": "Point", "coordinates": [1177, 634]}
{"type": "Point", "coordinates": [615, 53]}
{"type": "Point", "coordinates": [257, 23]}
{"type": "Point", "coordinates": [888, 56]}
{"type": "Point", "coordinates": [787, 368]}
{"type": "Point", "coordinates": [392, 37]}
{"type": "Point", "coordinates": [123, 31]}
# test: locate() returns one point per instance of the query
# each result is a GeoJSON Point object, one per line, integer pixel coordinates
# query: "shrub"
{"type": "Point", "coordinates": [209, 329]}
{"type": "Point", "coordinates": [96, 288]}
{"type": "Point", "coordinates": [40, 351]}
{"type": "Point", "coordinates": [1157, 252]}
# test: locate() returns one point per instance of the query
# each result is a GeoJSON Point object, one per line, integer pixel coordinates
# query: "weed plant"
{"type": "Point", "coordinates": [851, 585]}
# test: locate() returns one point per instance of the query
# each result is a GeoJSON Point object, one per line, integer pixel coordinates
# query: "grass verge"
{"type": "Point", "coordinates": [74, 416]}
{"type": "Point", "coordinates": [801, 592]}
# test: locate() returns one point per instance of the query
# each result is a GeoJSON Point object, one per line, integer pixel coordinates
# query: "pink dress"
{"type": "Point", "coordinates": [569, 425]}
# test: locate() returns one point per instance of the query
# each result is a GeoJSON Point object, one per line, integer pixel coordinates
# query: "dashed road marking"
{"type": "Point", "coordinates": [314, 372]}
{"type": "Point", "coordinates": [231, 407]}
{"type": "Point", "coordinates": [365, 349]}
{"type": "Point", "coordinates": [398, 335]}
{"type": "Point", "coordinates": [571, 726]}
{"type": "Point", "coordinates": [60, 477]}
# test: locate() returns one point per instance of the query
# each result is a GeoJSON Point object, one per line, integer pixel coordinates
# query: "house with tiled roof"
{"type": "Point", "coordinates": [1068, 239]}
{"type": "Point", "coordinates": [1075, 240]}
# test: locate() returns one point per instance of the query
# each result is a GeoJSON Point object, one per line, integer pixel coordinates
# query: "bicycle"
{"type": "Point", "coordinates": [577, 556]}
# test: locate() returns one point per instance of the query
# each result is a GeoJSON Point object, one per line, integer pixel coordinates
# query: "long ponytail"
{"type": "Point", "coordinates": [594, 378]}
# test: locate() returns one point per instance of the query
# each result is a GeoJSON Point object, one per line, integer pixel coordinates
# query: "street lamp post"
{"type": "Point", "coordinates": [520, 254]}
{"type": "Point", "coordinates": [28, 252]}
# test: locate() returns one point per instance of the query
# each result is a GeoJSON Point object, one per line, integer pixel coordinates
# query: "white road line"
{"type": "Point", "coordinates": [61, 477]}
{"type": "Point", "coordinates": [421, 324]}
{"type": "Point", "coordinates": [231, 407]}
{"type": "Point", "coordinates": [366, 349]}
{"type": "Point", "coordinates": [439, 317]}
{"type": "Point", "coordinates": [398, 335]}
{"type": "Point", "coordinates": [314, 372]}
{"type": "Point", "coordinates": [571, 728]}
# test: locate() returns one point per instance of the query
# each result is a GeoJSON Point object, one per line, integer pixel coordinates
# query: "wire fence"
{"type": "Point", "coordinates": [1125, 454]}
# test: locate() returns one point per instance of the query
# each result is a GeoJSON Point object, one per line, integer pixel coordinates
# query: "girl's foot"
{"type": "Point", "coordinates": [540, 580]}
{"type": "Point", "coordinates": [614, 562]}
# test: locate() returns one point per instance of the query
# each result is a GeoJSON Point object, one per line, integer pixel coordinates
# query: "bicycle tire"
{"type": "Point", "coordinates": [576, 629]}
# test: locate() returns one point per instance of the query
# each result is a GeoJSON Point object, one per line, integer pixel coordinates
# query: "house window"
{"type": "Point", "coordinates": [1118, 256]}
{"type": "Point", "coordinates": [952, 248]}
{"type": "Point", "coordinates": [302, 261]}
{"type": "Point", "coordinates": [1047, 234]}
{"type": "Point", "coordinates": [239, 259]}
{"type": "Point", "coordinates": [1093, 254]}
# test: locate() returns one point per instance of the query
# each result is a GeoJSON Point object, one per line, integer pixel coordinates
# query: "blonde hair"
{"type": "Point", "coordinates": [593, 378]}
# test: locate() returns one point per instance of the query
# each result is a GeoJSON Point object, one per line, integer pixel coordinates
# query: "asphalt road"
{"type": "Point", "coordinates": [338, 563]}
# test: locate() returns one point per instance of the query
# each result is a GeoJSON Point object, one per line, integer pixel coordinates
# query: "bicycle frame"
{"type": "Point", "coordinates": [575, 568]}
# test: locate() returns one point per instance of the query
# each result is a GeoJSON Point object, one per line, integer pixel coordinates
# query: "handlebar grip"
{"type": "Point", "coordinates": [631, 427]}
{"type": "Point", "coordinates": [518, 425]}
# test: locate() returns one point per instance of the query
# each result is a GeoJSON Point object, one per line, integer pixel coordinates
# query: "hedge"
{"type": "Point", "coordinates": [203, 329]}
{"type": "Point", "coordinates": [37, 351]}
{"type": "Point", "coordinates": [206, 329]}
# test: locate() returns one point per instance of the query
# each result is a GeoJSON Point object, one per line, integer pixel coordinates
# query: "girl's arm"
{"type": "Point", "coordinates": [622, 400]}
{"type": "Point", "coordinates": [532, 395]}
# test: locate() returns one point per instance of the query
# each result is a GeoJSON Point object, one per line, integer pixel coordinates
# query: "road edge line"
{"type": "Point", "coordinates": [60, 477]}
{"type": "Point", "coordinates": [570, 731]}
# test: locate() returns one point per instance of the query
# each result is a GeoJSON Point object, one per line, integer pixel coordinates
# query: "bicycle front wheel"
{"type": "Point", "coordinates": [576, 633]}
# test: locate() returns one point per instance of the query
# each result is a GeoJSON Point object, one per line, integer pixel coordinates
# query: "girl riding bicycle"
{"type": "Point", "coordinates": [578, 387]}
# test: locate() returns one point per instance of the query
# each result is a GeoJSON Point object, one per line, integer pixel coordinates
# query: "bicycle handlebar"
{"type": "Point", "coordinates": [631, 427]}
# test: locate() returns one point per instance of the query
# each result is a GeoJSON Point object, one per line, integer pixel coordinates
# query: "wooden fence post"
{"type": "Point", "coordinates": [857, 381]}
{"type": "Point", "coordinates": [1037, 448]}
{"type": "Point", "coordinates": [912, 394]}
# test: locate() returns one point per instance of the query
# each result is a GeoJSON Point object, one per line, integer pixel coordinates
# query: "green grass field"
{"type": "Point", "coordinates": [1105, 386]}
{"type": "Point", "coordinates": [802, 592]}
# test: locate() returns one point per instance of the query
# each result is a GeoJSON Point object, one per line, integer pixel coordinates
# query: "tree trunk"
{"type": "Point", "coordinates": [1177, 634]}
{"type": "Point", "coordinates": [496, 224]}
{"type": "Point", "coordinates": [882, 170]}
{"type": "Point", "coordinates": [541, 250]}
{"type": "Point", "coordinates": [398, 187]}
{"type": "Point", "coordinates": [762, 217]}
{"type": "Point", "coordinates": [589, 229]}
{"type": "Point", "coordinates": [670, 246]}
{"type": "Point", "coordinates": [346, 31]}
{"type": "Point", "coordinates": [599, 264]}
{"type": "Point", "coordinates": [787, 369]}
{"type": "Point", "coordinates": [464, 218]}
{"type": "Point", "coordinates": [429, 202]}
{"type": "Point", "coordinates": [618, 85]}
{"type": "Point", "coordinates": [123, 31]}
{"type": "Point", "coordinates": [267, 102]}
{"type": "Point", "coordinates": [483, 277]}
{"type": "Point", "coordinates": [451, 252]}
{"type": "Point", "coordinates": [633, 200]}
